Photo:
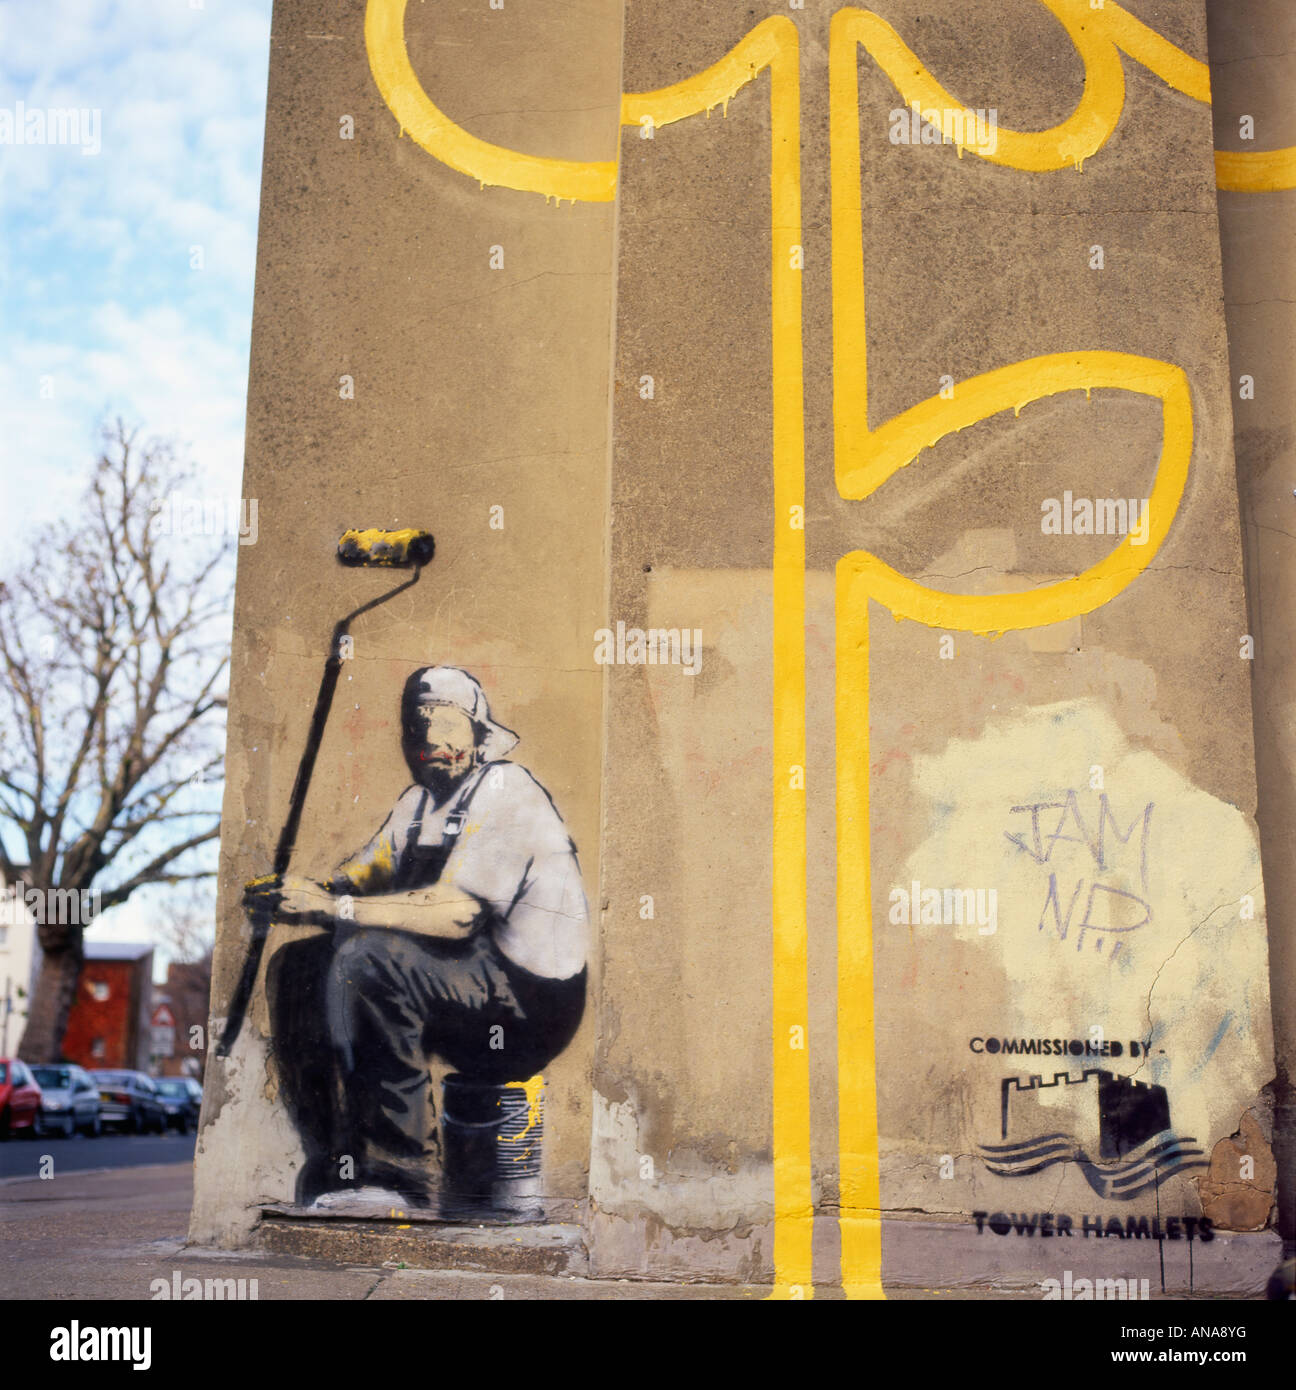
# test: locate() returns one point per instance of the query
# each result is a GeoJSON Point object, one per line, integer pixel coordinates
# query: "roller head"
{"type": "Point", "coordinates": [386, 549]}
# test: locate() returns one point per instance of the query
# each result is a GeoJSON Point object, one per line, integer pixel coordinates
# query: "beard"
{"type": "Point", "coordinates": [440, 777]}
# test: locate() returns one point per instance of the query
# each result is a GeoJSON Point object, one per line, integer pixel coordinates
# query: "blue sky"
{"type": "Point", "coordinates": [101, 308]}
{"type": "Point", "coordinates": [97, 294]}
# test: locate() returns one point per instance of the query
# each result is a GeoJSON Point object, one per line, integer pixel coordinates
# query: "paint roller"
{"type": "Point", "coordinates": [386, 549]}
{"type": "Point", "coordinates": [370, 549]}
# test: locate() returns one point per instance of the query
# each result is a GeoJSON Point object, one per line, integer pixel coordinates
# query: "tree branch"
{"type": "Point", "coordinates": [155, 872]}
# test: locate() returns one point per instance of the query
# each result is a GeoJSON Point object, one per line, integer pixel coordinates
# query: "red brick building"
{"type": "Point", "coordinates": [109, 1022]}
{"type": "Point", "coordinates": [180, 1049]}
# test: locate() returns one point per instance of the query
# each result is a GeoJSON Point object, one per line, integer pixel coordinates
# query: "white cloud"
{"type": "Point", "coordinates": [96, 285]}
{"type": "Point", "coordinates": [154, 367]}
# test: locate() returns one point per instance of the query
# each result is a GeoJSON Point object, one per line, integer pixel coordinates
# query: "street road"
{"type": "Point", "coordinates": [21, 1156]}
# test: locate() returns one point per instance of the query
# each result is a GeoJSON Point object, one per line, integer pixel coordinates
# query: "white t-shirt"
{"type": "Point", "coordinates": [513, 853]}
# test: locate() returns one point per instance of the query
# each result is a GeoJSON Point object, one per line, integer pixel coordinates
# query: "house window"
{"type": "Point", "coordinates": [99, 989]}
{"type": "Point", "coordinates": [97, 1048]}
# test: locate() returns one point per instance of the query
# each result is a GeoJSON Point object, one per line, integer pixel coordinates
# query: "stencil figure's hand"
{"type": "Point", "coordinates": [261, 896]}
{"type": "Point", "coordinates": [303, 902]}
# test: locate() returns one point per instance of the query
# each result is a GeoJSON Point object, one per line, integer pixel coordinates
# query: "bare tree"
{"type": "Point", "coordinates": [186, 930]}
{"type": "Point", "coordinates": [114, 650]}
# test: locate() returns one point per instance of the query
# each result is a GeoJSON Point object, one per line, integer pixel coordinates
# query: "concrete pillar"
{"type": "Point", "coordinates": [1252, 71]}
{"type": "Point", "coordinates": [903, 925]}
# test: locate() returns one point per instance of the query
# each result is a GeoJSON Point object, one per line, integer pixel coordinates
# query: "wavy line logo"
{"type": "Point", "coordinates": [1125, 1123]}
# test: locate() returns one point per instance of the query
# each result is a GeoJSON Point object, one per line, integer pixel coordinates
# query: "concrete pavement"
{"type": "Point", "coordinates": [113, 1235]}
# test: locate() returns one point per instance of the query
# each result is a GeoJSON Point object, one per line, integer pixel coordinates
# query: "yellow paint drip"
{"type": "Point", "coordinates": [718, 84]}
{"type": "Point", "coordinates": [430, 127]}
{"type": "Point", "coordinates": [774, 44]}
{"type": "Point", "coordinates": [534, 1089]}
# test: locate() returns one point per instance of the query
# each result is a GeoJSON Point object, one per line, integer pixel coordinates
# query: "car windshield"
{"type": "Point", "coordinates": [172, 1088]}
{"type": "Point", "coordinates": [4, 1072]}
{"type": "Point", "coordinates": [56, 1078]}
{"type": "Point", "coordinates": [116, 1078]}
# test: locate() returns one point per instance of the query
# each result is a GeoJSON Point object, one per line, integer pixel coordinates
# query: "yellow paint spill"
{"type": "Point", "coordinates": [534, 1089]}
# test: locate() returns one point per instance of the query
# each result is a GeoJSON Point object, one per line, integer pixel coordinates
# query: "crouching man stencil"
{"type": "Point", "coordinates": [458, 933]}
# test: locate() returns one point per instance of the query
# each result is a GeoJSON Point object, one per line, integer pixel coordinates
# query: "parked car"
{"type": "Point", "coordinates": [130, 1099]}
{"type": "Point", "coordinates": [20, 1098]}
{"type": "Point", "coordinates": [69, 1100]}
{"type": "Point", "coordinates": [181, 1100]}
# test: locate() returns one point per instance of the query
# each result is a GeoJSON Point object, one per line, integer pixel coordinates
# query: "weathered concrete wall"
{"type": "Point", "coordinates": [1253, 68]}
{"type": "Point", "coordinates": [996, 266]}
{"type": "Point", "coordinates": [968, 266]}
{"type": "Point", "coordinates": [792, 1068]}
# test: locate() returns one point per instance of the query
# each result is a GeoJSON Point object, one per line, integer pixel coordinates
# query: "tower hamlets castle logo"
{"type": "Point", "coordinates": [1115, 1129]}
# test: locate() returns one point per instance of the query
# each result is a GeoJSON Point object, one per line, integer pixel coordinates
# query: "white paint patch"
{"type": "Point", "coordinates": [1119, 887]}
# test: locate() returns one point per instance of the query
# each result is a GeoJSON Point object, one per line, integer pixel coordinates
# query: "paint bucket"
{"type": "Point", "coordinates": [493, 1140]}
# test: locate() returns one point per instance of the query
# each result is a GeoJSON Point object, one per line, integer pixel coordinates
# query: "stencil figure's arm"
{"type": "Point", "coordinates": [440, 910]}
